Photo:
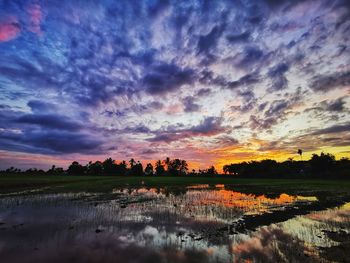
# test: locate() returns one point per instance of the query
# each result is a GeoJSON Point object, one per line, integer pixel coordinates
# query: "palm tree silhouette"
{"type": "Point", "coordinates": [167, 162]}
{"type": "Point", "coordinates": [300, 152]}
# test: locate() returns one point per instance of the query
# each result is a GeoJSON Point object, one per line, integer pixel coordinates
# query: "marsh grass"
{"type": "Point", "coordinates": [106, 184]}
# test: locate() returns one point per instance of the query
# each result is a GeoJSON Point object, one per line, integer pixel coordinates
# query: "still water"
{"type": "Point", "coordinates": [199, 223]}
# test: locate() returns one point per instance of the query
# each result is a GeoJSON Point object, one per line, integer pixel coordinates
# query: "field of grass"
{"type": "Point", "coordinates": [105, 184]}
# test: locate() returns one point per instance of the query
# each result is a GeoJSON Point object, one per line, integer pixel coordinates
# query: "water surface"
{"type": "Point", "coordinates": [199, 223]}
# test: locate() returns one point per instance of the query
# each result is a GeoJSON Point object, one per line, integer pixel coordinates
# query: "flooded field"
{"type": "Point", "coordinates": [198, 223]}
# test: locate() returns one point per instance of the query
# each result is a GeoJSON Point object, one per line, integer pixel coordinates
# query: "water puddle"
{"type": "Point", "coordinates": [200, 223]}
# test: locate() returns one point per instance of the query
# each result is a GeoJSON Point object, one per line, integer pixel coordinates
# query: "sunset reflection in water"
{"type": "Point", "coordinates": [177, 225]}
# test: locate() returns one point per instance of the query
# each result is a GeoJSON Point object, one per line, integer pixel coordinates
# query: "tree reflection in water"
{"type": "Point", "coordinates": [161, 225]}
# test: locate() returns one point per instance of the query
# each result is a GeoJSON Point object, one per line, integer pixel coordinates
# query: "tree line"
{"type": "Point", "coordinates": [324, 165]}
{"type": "Point", "coordinates": [110, 167]}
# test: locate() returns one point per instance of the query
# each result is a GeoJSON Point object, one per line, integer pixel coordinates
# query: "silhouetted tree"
{"type": "Point", "coordinates": [192, 173]}
{"type": "Point", "coordinates": [183, 167]}
{"type": "Point", "coordinates": [159, 168]}
{"type": "Point", "coordinates": [167, 163]}
{"type": "Point", "coordinates": [95, 168]}
{"type": "Point", "coordinates": [109, 166]}
{"type": "Point", "coordinates": [132, 163]}
{"type": "Point", "coordinates": [318, 166]}
{"type": "Point", "coordinates": [231, 169]}
{"type": "Point", "coordinates": [34, 171]}
{"type": "Point", "coordinates": [136, 168]}
{"type": "Point", "coordinates": [176, 167]}
{"type": "Point", "coordinates": [149, 169]}
{"type": "Point", "coordinates": [121, 168]}
{"type": "Point", "coordinates": [322, 164]}
{"type": "Point", "coordinates": [76, 169]}
{"type": "Point", "coordinates": [300, 152]}
{"type": "Point", "coordinates": [212, 171]}
{"type": "Point", "coordinates": [55, 170]}
{"type": "Point", "coordinates": [13, 170]}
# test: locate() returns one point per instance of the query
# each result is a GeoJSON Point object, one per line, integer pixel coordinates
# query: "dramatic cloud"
{"type": "Point", "coordinates": [210, 80]}
{"type": "Point", "coordinates": [166, 78]}
{"type": "Point", "coordinates": [242, 37]}
{"type": "Point", "coordinates": [325, 83]}
{"type": "Point", "coordinates": [249, 79]}
{"type": "Point", "coordinates": [50, 142]}
{"type": "Point", "coordinates": [206, 42]}
{"type": "Point", "coordinates": [279, 81]}
{"type": "Point", "coordinates": [9, 29]}
{"type": "Point", "coordinates": [38, 106]}
{"type": "Point", "coordinates": [333, 129]}
{"type": "Point", "coordinates": [49, 121]}
{"type": "Point", "coordinates": [250, 56]}
{"type": "Point", "coordinates": [337, 105]}
{"type": "Point", "coordinates": [208, 127]}
{"type": "Point", "coordinates": [190, 105]}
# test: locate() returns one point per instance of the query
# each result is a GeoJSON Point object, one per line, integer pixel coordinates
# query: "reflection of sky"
{"type": "Point", "coordinates": [206, 81]}
{"type": "Point", "coordinates": [152, 226]}
{"type": "Point", "coordinates": [304, 234]}
{"type": "Point", "coordinates": [217, 204]}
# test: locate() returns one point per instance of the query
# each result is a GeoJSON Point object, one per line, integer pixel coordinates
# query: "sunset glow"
{"type": "Point", "coordinates": [211, 82]}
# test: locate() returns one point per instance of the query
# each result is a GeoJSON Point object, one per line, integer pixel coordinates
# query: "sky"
{"type": "Point", "coordinates": [211, 82]}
